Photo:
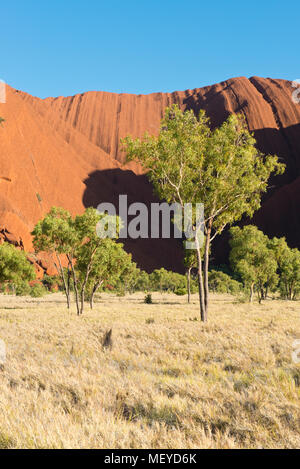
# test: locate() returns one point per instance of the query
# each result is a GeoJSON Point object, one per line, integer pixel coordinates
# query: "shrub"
{"type": "Point", "coordinates": [150, 321]}
{"type": "Point", "coordinates": [180, 291]}
{"type": "Point", "coordinates": [234, 287]}
{"type": "Point", "coordinates": [23, 289]}
{"type": "Point", "coordinates": [37, 291]}
{"type": "Point", "coordinates": [219, 282]}
{"type": "Point", "coordinates": [148, 299]}
{"type": "Point", "coordinates": [53, 283]}
{"type": "Point", "coordinates": [166, 281]}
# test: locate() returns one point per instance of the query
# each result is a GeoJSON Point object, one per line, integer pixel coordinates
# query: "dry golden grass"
{"type": "Point", "coordinates": [168, 381]}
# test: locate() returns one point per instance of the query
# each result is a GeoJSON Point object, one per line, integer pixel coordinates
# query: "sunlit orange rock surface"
{"type": "Point", "coordinates": [65, 152]}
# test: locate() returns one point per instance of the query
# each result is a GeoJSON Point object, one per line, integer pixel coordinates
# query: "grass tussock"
{"type": "Point", "coordinates": [167, 381]}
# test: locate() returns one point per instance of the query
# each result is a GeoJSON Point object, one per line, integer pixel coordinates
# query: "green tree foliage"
{"type": "Point", "coordinates": [64, 237]}
{"type": "Point", "coordinates": [91, 259]}
{"type": "Point", "coordinates": [53, 282]}
{"type": "Point", "coordinates": [55, 234]}
{"type": "Point", "coordinates": [190, 263]}
{"type": "Point", "coordinates": [86, 249]}
{"type": "Point", "coordinates": [148, 301]}
{"type": "Point", "coordinates": [290, 275]}
{"type": "Point", "coordinates": [92, 264]}
{"type": "Point", "coordinates": [23, 288]}
{"type": "Point", "coordinates": [288, 268]}
{"type": "Point", "coordinates": [109, 263]}
{"type": "Point", "coordinates": [15, 269]}
{"type": "Point", "coordinates": [252, 258]}
{"type": "Point", "coordinates": [188, 162]}
{"type": "Point", "coordinates": [166, 281]}
{"type": "Point", "coordinates": [219, 282]}
{"type": "Point", "coordinates": [129, 278]}
{"type": "Point", "coordinates": [143, 282]}
{"type": "Point", "coordinates": [133, 280]}
{"type": "Point", "coordinates": [38, 291]}
{"type": "Point", "coordinates": [159, 280]}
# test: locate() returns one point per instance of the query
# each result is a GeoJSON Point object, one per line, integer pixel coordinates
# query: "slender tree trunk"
{"type": "Point", "coordinates": [206, 263]}
{"type": "Point", "coordinates": [81, 301]}
{"type": "Point", "coordinates": [261, 294]}
{"type": "Point", "coordinates": [200, 282]}
{"type": "Point", "coordinates": [65, 283]}
{"type": "Point", "coordinates": [95, 288]}
{"type": "Point", "coordinates": [266, 292]}
{"type": "Point", "coordinates": [88, 270]}
{"type": "Point", "coordinates": [189, 284]}
{"type": "Point", "coordinates": [251, 292]}
{"type": "Point", "coordinates": [291, 293]}
{"type": "Point", "coordinates": [75, 282]}
{"type": "Point", "coordinates": [92, 299]}
{"type": "Point", "coordinates": [292, 290]}
{"type": "Point", "coordinates": [284, 289]}
{"type": "Point", "coordinates": [69, 283]}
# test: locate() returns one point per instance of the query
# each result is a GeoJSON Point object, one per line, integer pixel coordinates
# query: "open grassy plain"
{"type": "Point", "coordinates": [167, 382]}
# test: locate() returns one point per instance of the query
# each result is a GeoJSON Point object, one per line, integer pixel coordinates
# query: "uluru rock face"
{"type": "Point", "coordinates": [66, 152]}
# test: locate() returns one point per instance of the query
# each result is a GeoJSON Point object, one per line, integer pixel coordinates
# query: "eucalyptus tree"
{"type": "Point", "coordinates": [190, 263]}
{"type": "Point", "coordinates": [109, 263]}
{"type": "Point", "coordinates": [69, 240]}
{"type": "Point", "coordinates": [15, 268]}
{"type": "Point", "coordinates": [254, 261]}
{"type": "Point", "coordinates": [55, 234]}
{"type": "Point", "coordinates": [288, 267]}
{"type": "Point", "coordinates": [222, 169]}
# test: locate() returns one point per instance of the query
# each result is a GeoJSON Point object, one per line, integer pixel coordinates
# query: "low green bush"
{"type": "Point", "coordinates": [38, 291]}
{"type": "Point", "coordinates": [23, 289]}
{"type": "Point", "coordinates": [148, 299]}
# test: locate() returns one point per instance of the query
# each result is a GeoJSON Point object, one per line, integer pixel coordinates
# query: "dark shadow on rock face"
{"type": "Point", "coordinates": [283, 142]}
{"type": "Point", "coordinates": [106, 186]}
{"type": "Point", "coordinates": [279, 214]}
{"type": "Point", "coordinates": [212, 102]}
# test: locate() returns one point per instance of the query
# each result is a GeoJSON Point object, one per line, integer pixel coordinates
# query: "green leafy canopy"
{"type": "Point", "coordinates": [14, 265]}
{"type": "Point", "coordinates": [221, 168]}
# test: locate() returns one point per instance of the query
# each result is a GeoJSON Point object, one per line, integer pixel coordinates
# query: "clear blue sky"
{"type": "Point", "coordinates": [63, 47]}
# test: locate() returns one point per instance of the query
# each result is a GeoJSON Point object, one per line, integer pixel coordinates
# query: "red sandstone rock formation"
{"type": "Point", "coordinates": [66, 152]}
